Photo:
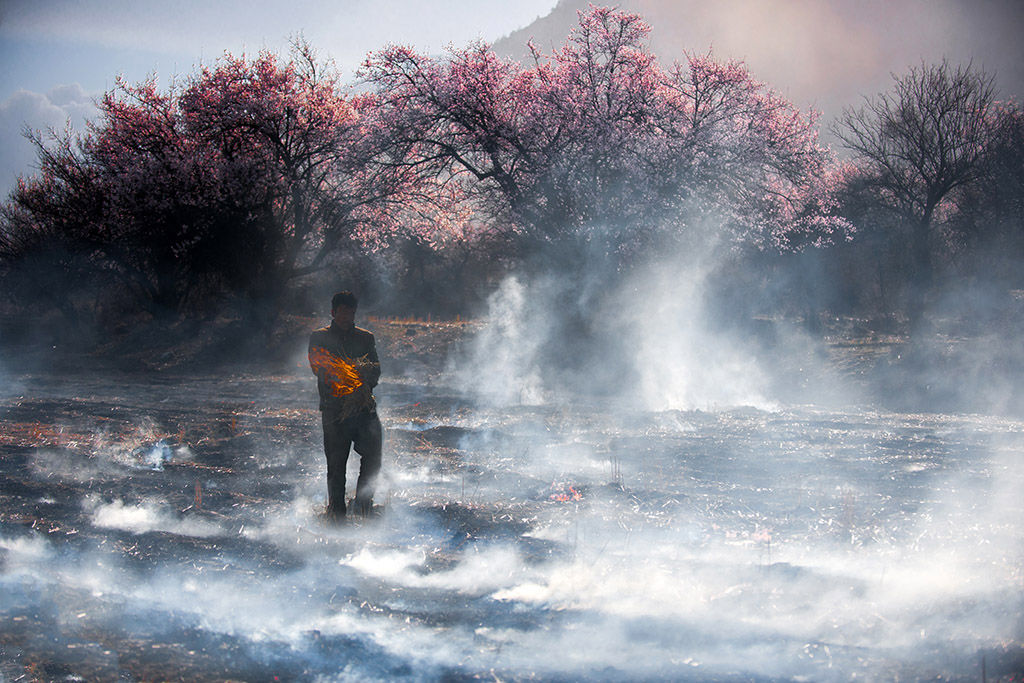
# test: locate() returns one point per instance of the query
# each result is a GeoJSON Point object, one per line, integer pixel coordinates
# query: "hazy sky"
{"type": "Point", "coordinates": [822, 54]}
{"type": "Point", "coordinates": [58, 55]}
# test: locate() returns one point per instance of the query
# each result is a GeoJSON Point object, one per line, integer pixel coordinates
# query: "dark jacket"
{"type": "Point", "coordinates": [351, 350]}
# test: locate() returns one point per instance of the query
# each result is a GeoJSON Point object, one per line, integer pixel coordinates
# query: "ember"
{"type": "Point", "coordinates": [566, 494]}
{"type": "Point", "coordinates": [340, 375]}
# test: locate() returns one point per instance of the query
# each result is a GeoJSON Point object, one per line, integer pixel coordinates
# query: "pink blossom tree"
{"type": "Point", "coordinates": [242, 180]}
{"type": "Point", "coordinates": [257, 172]}
{"type": "Point", "coordinates": [324, 158]}
{"type": "Point", "coordinates": [130, 197]}
{"type": "Point", "coordinates": [596, 142]}
{"type": "Point", "coordinates": [752, 158]}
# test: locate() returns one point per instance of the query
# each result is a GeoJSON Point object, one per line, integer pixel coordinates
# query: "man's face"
{"type": "Point", "coordinates": [344, 315]}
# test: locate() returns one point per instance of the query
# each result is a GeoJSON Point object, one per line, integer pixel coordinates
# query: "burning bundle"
{"type": "Point", "coordinates": [339, 374]}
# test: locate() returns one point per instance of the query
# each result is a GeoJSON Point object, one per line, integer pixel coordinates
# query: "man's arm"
{"type": "Point", "coordinates": [310, 355]}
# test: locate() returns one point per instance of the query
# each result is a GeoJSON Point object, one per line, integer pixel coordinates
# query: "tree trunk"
{"type": "Point", "coordinates": [921, 285]}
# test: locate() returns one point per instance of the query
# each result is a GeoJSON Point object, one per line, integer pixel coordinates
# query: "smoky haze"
{"type": "Point", "coordinates": [552, 540]}
{"type": "Point", "coordinates": [644, 469]}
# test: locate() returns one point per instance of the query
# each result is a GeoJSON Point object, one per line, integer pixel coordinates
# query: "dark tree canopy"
{"type": "Point", "coordinates": [246, 178]}
{"type": "Point", "coordinates": [923, 141]}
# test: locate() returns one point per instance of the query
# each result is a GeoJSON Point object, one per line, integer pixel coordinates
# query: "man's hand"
{"type": "Point", "coordinates": [363, 364]}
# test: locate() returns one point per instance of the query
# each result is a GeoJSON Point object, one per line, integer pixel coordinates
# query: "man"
{"type": "Point", "coordinates": [344, 359]}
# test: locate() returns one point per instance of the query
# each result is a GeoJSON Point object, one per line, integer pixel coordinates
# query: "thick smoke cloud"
{"type": "Point", "coordinates": [501, 365]}
{"type": "Point", "coordinates": [865, 576]}
{"type": "Point", "coordinates": [656, 336]}
{"type": "Point", "coordinates": [683, 363]}
{"type": "Point", "coordinates": [735, 544]}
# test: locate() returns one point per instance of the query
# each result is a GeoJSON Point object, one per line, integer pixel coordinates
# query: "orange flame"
{"type": "Point", "coordinates": [567, 494]}
{"type": "Point", "coordinates": [339, 375]}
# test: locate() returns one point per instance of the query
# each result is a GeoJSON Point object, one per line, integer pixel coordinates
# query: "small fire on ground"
{"type": "Point", "coordinates": [566, 493]}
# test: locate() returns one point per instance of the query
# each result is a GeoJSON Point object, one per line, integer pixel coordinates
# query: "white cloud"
{"type": "Point", "coordinates": [55, 109]}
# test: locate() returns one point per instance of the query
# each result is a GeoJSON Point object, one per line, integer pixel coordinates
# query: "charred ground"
{"type": "Point", "coordinates": [161, 524]}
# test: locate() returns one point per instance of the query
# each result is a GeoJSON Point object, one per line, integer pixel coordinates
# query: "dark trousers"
{"type": "Point", "coordinates": [364, 432]}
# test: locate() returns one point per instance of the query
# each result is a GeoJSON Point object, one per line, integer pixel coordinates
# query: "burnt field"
{"type": "Point", "coordinates": [165, 526]}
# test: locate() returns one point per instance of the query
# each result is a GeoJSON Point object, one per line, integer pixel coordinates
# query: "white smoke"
{"type": "Point", "coordinates": [684, 364]}
{"type": "Point", "coordinates": [502, 361]}
{"type": "Point", "coordinates": [148, 516]}
{"type": "Point", "coordinates": [568, 538]}
{"type": "Point", "coordinates": [782, 551]}
{"type": "Point", "coordinates": [658, 317]}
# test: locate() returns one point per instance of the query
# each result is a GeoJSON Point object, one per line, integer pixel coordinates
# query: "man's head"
{"type": "Point", "coordinates": [343, 308]}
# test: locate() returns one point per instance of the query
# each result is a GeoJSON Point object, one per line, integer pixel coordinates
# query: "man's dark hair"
{"type": "Point", "coordinates": [346, 298]}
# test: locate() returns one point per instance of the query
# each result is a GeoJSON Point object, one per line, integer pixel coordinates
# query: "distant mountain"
{"type": "Point", "coordinates": [825, 54]}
